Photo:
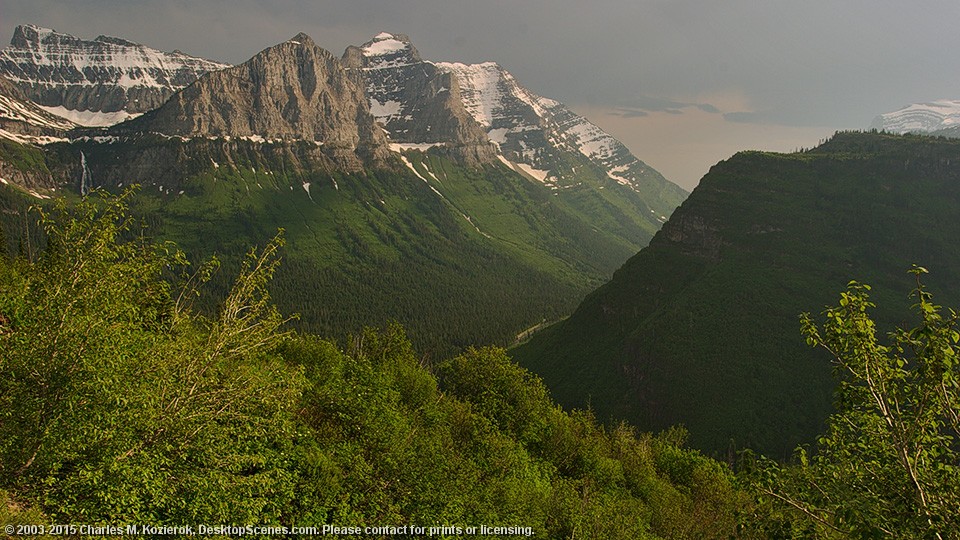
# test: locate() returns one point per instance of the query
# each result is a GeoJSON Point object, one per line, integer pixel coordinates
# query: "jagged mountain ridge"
{"type": "Point", "coordinates": [292, 91]}
{"type": "Point", "coordinates": [534, 135]}
{"type": "Point", "coordinates": [70, 75]}
{"type": "Point", "coordinates": [473, 113]}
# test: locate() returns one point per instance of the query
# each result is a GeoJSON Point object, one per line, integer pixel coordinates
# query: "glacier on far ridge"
{"type": "Point", "coordinates": [926, 117]}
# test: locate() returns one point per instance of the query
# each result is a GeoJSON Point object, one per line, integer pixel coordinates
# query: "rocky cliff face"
{"type": "Point", "coordinates": [415, 101]}
{"type": "Point", "coordinates": [104, 75]}
{"type": "Point", "coordinates": [291, 91]}
{"type": "Point", "coordinates": [536, 131]}
{"type": "Point", "coordinates": [691, 234]}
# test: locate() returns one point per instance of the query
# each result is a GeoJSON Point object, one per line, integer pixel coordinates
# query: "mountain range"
{"type": "Point", "coordinates": [95, 82]}
{"type": "Point", "coordinates": [473, 196]}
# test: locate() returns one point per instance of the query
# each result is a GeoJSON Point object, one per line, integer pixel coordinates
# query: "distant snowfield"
{"type": "Point", "coordinates": [921, 117]}
{"type": "Point", "coordinates": [90, 118]}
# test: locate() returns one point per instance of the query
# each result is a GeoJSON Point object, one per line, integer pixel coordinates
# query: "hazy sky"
{"type": "Point", "coordinates": [682, 83]}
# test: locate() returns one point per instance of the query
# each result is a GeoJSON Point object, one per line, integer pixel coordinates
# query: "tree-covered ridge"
{"type": "Point", "coordinates": [699, 328]}
{"type": "Point", "coordinates": [121, 404]}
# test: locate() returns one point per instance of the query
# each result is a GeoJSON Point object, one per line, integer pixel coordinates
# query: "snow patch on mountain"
{"type": "Point", "coordinates": [90, 118]}
{"type": "Point", "coordinates": [26, 112]}
{"type": "Point", "coordinates": [423, 147]}
{"type": "Point", "coordinates": [591, 141]}
{"type": "Point", "coordinates": [384, 111]}
{"type": "Point", "coordinates": [920, 117]}
{"type": "Point", "coordinates": [387, 50]}
{"type": "Point", "coordinates": [479, 89]}
{"type": "Point", "coordinates": [522, 168]}
{"type": "Point", "coordinates": [384, 44]}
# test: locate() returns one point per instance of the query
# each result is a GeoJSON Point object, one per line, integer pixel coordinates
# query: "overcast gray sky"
{"type": "Point", "coordinates": [682, 83]}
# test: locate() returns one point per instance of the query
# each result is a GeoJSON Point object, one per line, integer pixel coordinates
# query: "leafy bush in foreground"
{"type": "Point", "coordinates": [889, 464]}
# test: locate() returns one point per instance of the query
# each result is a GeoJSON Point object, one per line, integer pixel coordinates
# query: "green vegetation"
{"type": "Point", "coordinates": [699, 328]}
{"type": "Point", "coordinates": [131, 394]}
{"type": "Point", "coordinates": [121, 403]}
{"type": "Point", "coordinates": [888, 465]}
{"type": "Point", "coordinates": [441, 249]}
{"type": "Point", "coordinates": [24, 158]}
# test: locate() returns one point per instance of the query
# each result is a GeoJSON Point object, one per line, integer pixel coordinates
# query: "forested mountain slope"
{"type": "Point", "coordinates": [701, 327]}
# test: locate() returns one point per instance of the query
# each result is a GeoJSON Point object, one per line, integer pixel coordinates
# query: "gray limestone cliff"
{"type": "Point", "coordinates": [292, 91]}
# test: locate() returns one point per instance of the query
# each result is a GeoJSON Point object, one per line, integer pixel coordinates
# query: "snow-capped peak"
{"type": "Point", "coordinates": [383, 36]}
{"type": "Point", "coordinates": [389, 50]}
{"type": "Point", "coordinates": [921, 117]}
{"type": "Point", "coordinates": [459, 105]}
{"type": "Point", "coordinates": [386, 43]}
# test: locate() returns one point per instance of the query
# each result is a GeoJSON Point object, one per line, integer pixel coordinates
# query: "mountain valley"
{"type": "Point", "coordinates": [437, 221]}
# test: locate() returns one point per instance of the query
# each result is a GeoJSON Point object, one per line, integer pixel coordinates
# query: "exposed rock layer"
{"type": "Point", "coordinates": [416, 101]}
{"type": "Point", "coordinates": [291, 91]}
{"type": "Point", "coordinates": [104, 74]}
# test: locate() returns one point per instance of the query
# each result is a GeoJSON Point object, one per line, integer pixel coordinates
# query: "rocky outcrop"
{"type": "Point", "coordinates": [105, 74]}
{"type": "Point", "coordinates": [291, 91]}
{"type": "Point", "coordinates": [415, 101]}
{"type": "Point", "coordinates": [693, 235]}
{"type": "Point", "coordinates": [30, 179]}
